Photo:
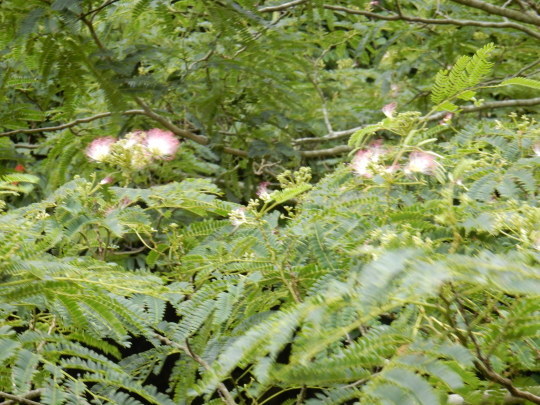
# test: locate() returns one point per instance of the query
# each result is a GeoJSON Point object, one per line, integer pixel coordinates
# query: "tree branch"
{"type": "Point", "coordinates": [527, 102]}
{"type": "Point", "coordinates": [22, 399]}
{"type": "Point", "coordinates": [504, 12]}
{"type": "Point", "coordinates": [226, 395]}
{"type": "Point", "coordinates": [437, 116]}
{"type": "Point", "coordinates": [93, 33]}
{"type": "Point", "coordinates": [200, 139]}
{"type": "Point", "coordinates": [328, 137]}
{"type": "Point", "coordinates": [281, 7]}
{"type": "Point", "coordinates": [98, 9]}
{"type": "Point", "coordinates": [506, 383]}
{"type": "Point", "coordinates": [337, 150]}
{"type": "Point", "coordinates": [483, 365]}
{"type": "Point", "coordinates": [69, 124]}
{"type": "Point", "coordinates": [203, 140]}
{"type": "Point", "coordinates": [435, 21]}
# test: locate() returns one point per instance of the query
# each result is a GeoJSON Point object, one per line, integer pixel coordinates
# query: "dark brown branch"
{"type": "Point", "coordinates": [281, 7]}
{"type": "Point", "coordinates": [21, 399]}
{"type": "Point", "coordinates": [483, 365]}
{"type": "Point", "coordinates": [96, 39]}
{"type": "Point", "coordinates": [503, 12]}
{"type": "Point", "coordinates": [69, 124]}
{"type": "Point", "coordinates": [200, 139]}
{"type": "Point", "coordinates": [435, 21]}
{"type": "Point", "coordinates": [506, 383]}
{"type": "Point", "coordinates": [98, 9]}
{"type": "Point", "coordinates": [224, 392]}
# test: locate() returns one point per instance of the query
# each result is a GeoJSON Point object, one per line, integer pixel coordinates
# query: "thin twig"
{"type": "Point", "coordinates": [483, 365]}
{"type": "Point", "coordinates": [98, 9]}
{"type": "Point", "coordinates": [520, 72]}
{"type": "Point", "coordinates": [281, 7]}
{"type": "Point", "coordinates": [324, 107]}
{"type": "Point", "coordinates": [504, 12]}
{"type": "Point", "coordinates": [200, 139]}
{"type": "Point", "coordinates": [301, 396]}
{"type": "Point", "coordinates": [96, 39]}
{"type": "Point", "coordinates": [69, 124]}
{"type": "Point", "coordinates": [527, 102]}
{"type": "Point", "coordinates": [435, 21]}
{"type": "Point", "coordinates": [337, 150]}
{"type": "Point", "coordinates": [224, 392]}
{"type": "Point", "coordinates": [23, 399]}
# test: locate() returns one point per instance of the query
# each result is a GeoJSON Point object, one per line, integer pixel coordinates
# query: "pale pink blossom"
{"type": "Point", "coordinates": [262, 190]}
{"type": "Point", "coordinates": [421, 162]}
{"type": "Point", "coordinates": [238, 216]}
{"type": "Point", "coordinates": [374, 3]}
{"type": "Point", "coordinates": [161, 143]}
{"type": "Point", "coordinates": [100, 148]}
{"type": "Point", "coordinates": [377, 150]}
{"type": "Point", "coordinates": [361, 163]}
{"type": "Point", "coordinates": [389, 109]}
{"type": "Point", "coordinates": [446, 119]}
{"type": "Point", "coordinates": [536, 148]}
{"type": "Point", "coordinates": [106, 180]}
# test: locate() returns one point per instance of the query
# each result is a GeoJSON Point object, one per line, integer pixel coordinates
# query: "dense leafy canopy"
{"type": "Point", "coordinates": [351, 215]}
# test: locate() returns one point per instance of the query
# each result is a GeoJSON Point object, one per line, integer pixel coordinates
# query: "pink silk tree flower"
{"type": "Point", "coordinates": [106, 180]}
{"type": "Point", "coordinates": [262, 190]}
{"type": "Point", "coordinates": [377, 150]}
{"type": "Point", "coordinates": [361, 161]}
{"type": "Point", "coordinates": [446, 119]}
{"type": "Point", "coordinates": [161, 143]}
{"type": "Point", "coordinates": [238, 217]}
{"type": "Point", "coordinates": [421, 162]}
{"type": "Point", "coordinates": [389, 109]}
{"type": "Point", "coordinates": [100, 148]}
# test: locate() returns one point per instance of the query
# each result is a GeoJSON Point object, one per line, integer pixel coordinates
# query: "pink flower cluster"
{"type": "Point", "coordinates": [365, 159]}
{"type": "Point", "coordinates": [100, 148]}
{"type": "Point", "coordinates": [421, 162]}
{"type": "Point", "coordinates": [366, 162]}
{"type": "Point", "coordinates": [262, 190]}
{"type": "Point", "coordinates": [156, 143]}
{"type": "Point", "coordinates": [389, 109]}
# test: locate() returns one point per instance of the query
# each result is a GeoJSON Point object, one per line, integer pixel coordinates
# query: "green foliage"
{"type": "Point", "coordinates": [522, 81]}
{"type": "Point", "coordinates": [460, 81]}
{"type": "Point", "coordinates": [403, 278]}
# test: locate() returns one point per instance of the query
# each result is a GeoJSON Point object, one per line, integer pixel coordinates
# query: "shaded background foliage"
{"type": "Point", "coordinates": [246, 76]}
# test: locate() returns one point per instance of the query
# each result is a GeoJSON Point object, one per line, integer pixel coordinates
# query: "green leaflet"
{"type": "Point", "coordinates": [522, 81]}
{"type": "Point", "coordinates": [467, 72]}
